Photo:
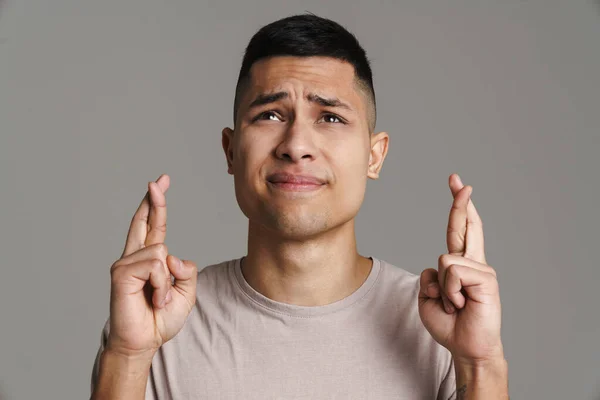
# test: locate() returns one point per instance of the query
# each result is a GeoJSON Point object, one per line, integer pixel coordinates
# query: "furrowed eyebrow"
{"type": "Point", "coordinates": [332, 102]}
{"type": "Point", "coordinates": [268, 98]}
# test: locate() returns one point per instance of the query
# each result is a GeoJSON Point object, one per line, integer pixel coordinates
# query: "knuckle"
{"type": "Point", "coordinates": [492, 277]}
{"type": "Point", "coordinates": [142, 217]}
{"type": "Point", "coordinates": [443, 260]}
{"type": "Point", "coordinates": [452, 270]}
{"type": "Point", "coordinates": [164, 250]}
{"type": "Point", "coordinates": [156, 264]}
{"type": "Point", "coordinates": [161, 228]}
{"type": "Point", "coordinates": [160, 250]}
{"type": "Point", "coordinates": [427, 274]}
{"type": "Point", "coordinates": [474, 223]}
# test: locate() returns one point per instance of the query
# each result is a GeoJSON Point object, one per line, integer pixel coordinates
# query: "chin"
{"type": "Point", "coordinates": [303, 226]}
{"type": "Point", "coordinates": [296, 225]}
{"type": "Point", "coordinates": [301, 220]}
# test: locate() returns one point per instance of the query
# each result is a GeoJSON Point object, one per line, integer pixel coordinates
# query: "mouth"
{"type": "Point", "coordinates": [295, 183]}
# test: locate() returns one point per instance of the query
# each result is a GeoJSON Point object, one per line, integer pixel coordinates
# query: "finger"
{"type": "Point", "coordinates": [445, 261]}
{"type": "Point", "coordinates": [138, 229]}
{"type": "Point", "coordinates": [185, 273]}
{"type": "Point", "coordinates": [157, 218]}
{"type": "Point", "coordinates": [474, 240]}
{"type": "Point", "coordinates": [478, 285]}
{"type": "Point", "coordinates": [133, 278]}
{"type": "Point", "coordinates": [448, 306]}
{"type": "Point", "coordinates": [156, 251]}
{"type": "Point", "coordinates": [448, 259]}
{"type": "Point", "coordinates": [453, 288]}
{"type": "Point", "coordinates": [429, 286]}
{"type": "Point", "coordinates": [457, 222]}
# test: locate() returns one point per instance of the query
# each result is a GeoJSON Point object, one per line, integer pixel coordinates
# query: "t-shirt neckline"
{"type": "Point", "coordinates": [306, 311]}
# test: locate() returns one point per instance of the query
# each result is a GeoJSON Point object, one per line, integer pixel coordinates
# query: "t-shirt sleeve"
{"type": "Point", "coordinates": [448, 386]}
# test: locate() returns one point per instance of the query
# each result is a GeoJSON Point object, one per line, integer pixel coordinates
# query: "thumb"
{"type": "Point", "coordinates": [186, 275]}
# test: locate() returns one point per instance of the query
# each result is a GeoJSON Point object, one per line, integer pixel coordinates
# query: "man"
{"type": "Point", "coordinates": [303, 315]}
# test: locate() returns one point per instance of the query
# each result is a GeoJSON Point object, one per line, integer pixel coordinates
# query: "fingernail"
{"type": "Point", "coordinates": [168, 297]}
{"type": "Point", "coordinates": [176, 262]}
{"type": "Point", "coordinates": [431, 289]}
{"type": "Point", "coordinates": [450, 308]}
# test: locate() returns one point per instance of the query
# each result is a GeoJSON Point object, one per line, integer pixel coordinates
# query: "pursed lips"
{"type": "Point", "coordinates": [293, 182]}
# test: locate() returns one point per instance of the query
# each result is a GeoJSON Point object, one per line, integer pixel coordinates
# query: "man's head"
{"type": "Point", "coordinates": [303, 145]}
{"type": "Point", "coordinates": [308, 36]}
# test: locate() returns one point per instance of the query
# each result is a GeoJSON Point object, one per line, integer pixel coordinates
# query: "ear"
{"type": "Point", "coordinates": [227, 143]}
{"type": "Point", "coordinates": [379, 148]}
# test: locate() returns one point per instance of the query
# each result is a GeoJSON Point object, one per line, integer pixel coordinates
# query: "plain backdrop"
{"type": "Point", "coordinates": [99, 97]}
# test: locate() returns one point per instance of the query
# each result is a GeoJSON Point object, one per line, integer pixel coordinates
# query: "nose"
{"type": "Point", "coordinates": [298, 143]}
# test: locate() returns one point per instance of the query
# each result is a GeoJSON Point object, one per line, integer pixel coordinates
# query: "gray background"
{"type": "Point", "coordinates": [99, 97]}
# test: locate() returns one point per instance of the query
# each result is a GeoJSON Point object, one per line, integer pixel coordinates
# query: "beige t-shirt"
{"type": "Point", "coordinates": [239, 344]}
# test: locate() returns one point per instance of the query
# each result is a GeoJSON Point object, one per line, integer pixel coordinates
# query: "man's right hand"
{"type": "Point", "coordinates": [146, 308]}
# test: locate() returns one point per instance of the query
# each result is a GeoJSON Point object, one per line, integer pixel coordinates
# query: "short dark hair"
{"type": "Point", "coordinates": [307, 35]}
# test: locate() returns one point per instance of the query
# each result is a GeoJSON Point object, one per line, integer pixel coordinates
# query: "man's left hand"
{"type": "Point", "coordinates": [459, 303]}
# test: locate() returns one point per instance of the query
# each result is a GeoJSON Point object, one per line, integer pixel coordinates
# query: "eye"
{"type": "Point", "coordinates": [332, 118]}
{"type": "Point", "coordinates": [267, 116]}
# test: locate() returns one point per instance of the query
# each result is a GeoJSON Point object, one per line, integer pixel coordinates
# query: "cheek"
{"type": "Point", "coordinates": [351, 157]}
{"type": "Point", "coordinates": [251, 152]}
{"type": "Point", "coordinates": [250, 155]}
{"type": "Point", "coordinates": [353, 178]}
{"type": "Point", "coordinates": [351, 164]}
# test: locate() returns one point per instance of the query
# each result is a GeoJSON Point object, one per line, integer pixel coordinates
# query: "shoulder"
{"type": "Point", "coordinates": [396, 278]}
{"type": "Point", "coordinates": [217, 279]}
{"type": "Point", "coordinates": [398, 292]}
{"type": "Point", "coordinates": [216, 269]}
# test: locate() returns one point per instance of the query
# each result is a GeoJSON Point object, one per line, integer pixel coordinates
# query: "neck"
{"type": "Point", "coordinates": [312, 272]}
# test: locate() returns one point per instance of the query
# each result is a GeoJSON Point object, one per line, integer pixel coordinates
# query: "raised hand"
{"type": "Point", "coordinates": [146, 308]}
{"type": "Point", "coordinates": [459, 303]}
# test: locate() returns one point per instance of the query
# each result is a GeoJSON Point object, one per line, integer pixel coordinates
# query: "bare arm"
{"type": "Point", "coordinates": [122, 377]}
{"type": "Point", "coordinates": [487, 380]}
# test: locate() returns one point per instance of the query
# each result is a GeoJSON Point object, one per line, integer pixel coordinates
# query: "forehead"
{"type": "Point", "coordinates": [322, 75]}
